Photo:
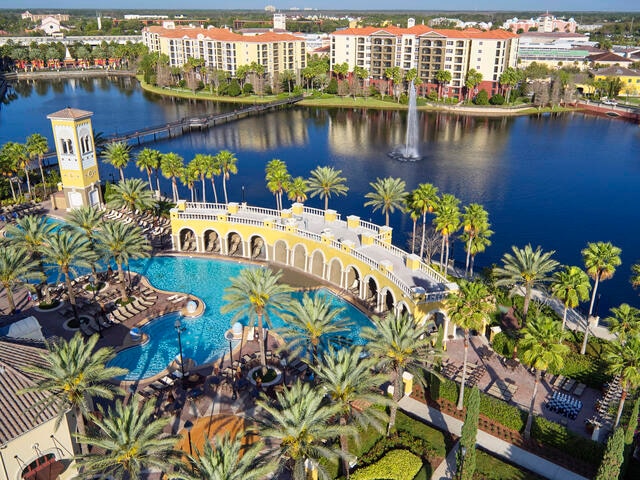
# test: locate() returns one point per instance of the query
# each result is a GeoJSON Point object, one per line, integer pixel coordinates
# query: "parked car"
{"type": "Point", "coordinates": [610, 102]}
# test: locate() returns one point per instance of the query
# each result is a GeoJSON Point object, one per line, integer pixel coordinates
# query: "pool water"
{"type": "Point", "coordinates": [203, 339]}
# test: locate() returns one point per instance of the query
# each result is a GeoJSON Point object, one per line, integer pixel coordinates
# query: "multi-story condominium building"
{"type": "Point", "coordinates": [428, 50]}
{"type": "Point", "coordinates": [225, 50]}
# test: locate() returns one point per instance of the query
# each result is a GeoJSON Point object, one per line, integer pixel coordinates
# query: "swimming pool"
{"type": "Point", "coordinates": [203, 340]}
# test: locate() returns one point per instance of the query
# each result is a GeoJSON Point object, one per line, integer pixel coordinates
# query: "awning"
{"type": "Point", "coordinates": [28, 328]}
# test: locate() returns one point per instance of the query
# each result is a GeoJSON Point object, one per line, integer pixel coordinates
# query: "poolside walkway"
{"type": "Point", "coordinates": [496, 446]}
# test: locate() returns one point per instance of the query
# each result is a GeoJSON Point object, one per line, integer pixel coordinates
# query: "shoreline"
{"type": "Point", "coordinates": [308, 102]}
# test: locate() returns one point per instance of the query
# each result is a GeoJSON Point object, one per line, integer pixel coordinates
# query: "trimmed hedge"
{"type": "Point", "coordinates": [395, 465]}
{"type": "Point", "coordinates": [434, 439]}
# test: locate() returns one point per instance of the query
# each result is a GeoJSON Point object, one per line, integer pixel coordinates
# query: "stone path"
{"type": "Point", "coordinates": [447, 469]}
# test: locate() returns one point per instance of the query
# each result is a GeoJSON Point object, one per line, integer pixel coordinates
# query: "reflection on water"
{"type": "Point", "coordinates": [558, 182]}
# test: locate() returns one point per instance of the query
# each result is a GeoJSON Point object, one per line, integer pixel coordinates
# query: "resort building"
{"type": "Point", "coordinates": [225, 50]}
{"type": "Point", "coordinates": [630, 79]}
{"type": "Point", "coordinates": [31, 446]}
{"type": "Point", "coordinates": [555, 49]}
{"type": "Point", "coordinates": [428, 50]}
{"type": "Point", "coordinates": [544, 23]}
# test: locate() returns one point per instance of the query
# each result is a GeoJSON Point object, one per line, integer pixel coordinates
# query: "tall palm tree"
{"type": "Point", "coordinates": [469, 308]}
{"type": "Point", "coordinates": [228, 165]}
{"type": "Point", "coordinates": [571, 286]}
{"type": "Point", "coordinates": [624, 361]}
{"type": "Point", "coordinates": [398, 344]}
{"type": "Point", "coordinates": [346, 377]}
{"type": "Point", "coordinates": [88, 220]}
{"type": "Point", "coordinates": [625, 322]}
{"type": "Point", "coordinates": [325, 182]}
{"type": "Point", "coordinates": [226, 459]}
{"type": "Point", "coordinates": [18, 156]}
{"type": "Point", "coordinates": [129, 439]}
{"type": "Point", "coordinates": [479, 243]}
{"type": "Point", "coordinates": [32, 232]}
{"type": "Point", "coordinates": [542, 348]}
{"type": "Point", "coordinates": [149, 160]}
{"type": "Point", "coordinates": [189, 177]}
{"type": "Point", "coordinates": [447, 222]}
{"type": "Point", "coordinates": [16, 267]}
{"type": "Point", "coordinates": [298, 189]}
{"type": "Point", "coordinates": [74, 372]}
{"type": "Point", "coordinates": [424, 199]}
{"type": "Point", "coordinates": [172, 166]}
{"type": "Point", "coordinates": [213, 170]}
{"type": "Point", "coordinates": [200, 166]}
{"type": "Point", "coordinates": [278, 178]}
{"type": "Point", "coordinates": [313, 323]}
{"type": "Point", "coordinates": [300, 424]}
{"type": "Point", "coordinates": [388, 194]}
{"type": "Point", "coordinates": [37, 146]}
{"type": "Point", "coordinates": [122, 242]}
{"type": "Point", "coordinates": [475, 219]}
{"type": "Point", "coordinates": [600, 260]}
{"type": "Point", "coordinates": [131, 194]}
{"type": "Point", "coordinates": [117, 154]}
{"type": "Point", "coordinates": [526, 268]}
{"type": "Point", "coordinates": [635, 275]}
{"type": "Point", "coordinates": [65, 251]}
{"type": "Point", "coordinates": [256, 294]}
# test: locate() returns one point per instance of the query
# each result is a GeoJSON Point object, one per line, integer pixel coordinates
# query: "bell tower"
{"type": "Point", "coordinates": [75, 147]}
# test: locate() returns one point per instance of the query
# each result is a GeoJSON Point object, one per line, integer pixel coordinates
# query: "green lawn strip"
{"type": "Point", "coordinates": [489, 467]}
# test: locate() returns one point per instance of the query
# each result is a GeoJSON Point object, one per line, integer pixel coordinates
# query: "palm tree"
{"type": "Point", "coordinates": [172, 166]}
{"type": "Point", "coordinates": [542, 348]}
{"type": "Point", "coordinates": [16, 267]}
{"type": "Point", "coordinates": [37, 146]}
{"type": "Point", "coordinates": [313, 323]}
{"type": "Point", "coordinates": [117, 154]}
{"type": "Point", "coordinates": [600, 260]}
{"type": "Point", "coordinates": [74, 372]}
{"type": "Point", "coordinates": [123, 242]}
{"type": "Point", "coordinates": [227, 162]}
{"type": "Point", "coordinates": [227, 459]}
{"type": "Point", "coordinates": [625, 322]}
{"type": "Point", "coordinates": [479, 243]}
{"type": "Point", "coordinates": [300, 423]}
{"type": "Point", "coordinates": [88, 220]}
{"type": "Point", "coordinates": [425, 199]}
{"type": "Point", "coordinates": [200, 166]}
{"type": "Point", "coordinates": [255, 294]}
{"type": "Point", "coordinates": [188, 179]}
{"type": "Point", "coordinates": [447, 222]}
{"type": "Point", "coordinates": [278, 178]}
{"type": "Point", "coordinates": [213, 170]}
{"type": "Point", "coordinates": [149, 160]}
{"type": "Point", "coordinates": [527, 269]}
{"type": "Point", "coordinates": [65, 251]}
{"type": "Point", "coordinates": [469, 308]}
{"type": "Point", "coordinates": [475, 220]}
{"type": "Point", "coordinates": [298, 189]}
{"type": "Point", "coordinates": [326, 181]}
{"type": "Point", "coordinates": [388, 194]}
{"type": "Point", "coordinates": [129, 439]}
{"type": "Point", "coordinates": [624, 361]}
{"type": "Point", "coordinates": [131, 194]}
{"type": "Point", "coordinates": [347, 378]}
{"type": "Point", "coordinates": [571, 286]}
{"type": "Point", "coordinates": [443, 77]}
{"type": "Point", "coordinates": [635, 275]}
{"type": "Point", "coordinates": [398, 344]}
{"type": "Point", "coordinates": [18, 156]}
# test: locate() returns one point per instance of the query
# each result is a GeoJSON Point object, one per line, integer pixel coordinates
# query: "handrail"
{"type": "Point", "coordinates": [369, 226]}
{"type": "Point", "coordinates": [313, 211]}
{"type": "Point", "coordinates": [391, 248]}
{"type": "Point", "coordinates": [406, 289]}
{"type": "Point", "coordinates": [432, 274]}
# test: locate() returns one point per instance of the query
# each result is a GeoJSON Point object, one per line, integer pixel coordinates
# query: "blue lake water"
{"type": "Point", "coordinates": [203, 340]}
{"type": "Point", "coordinates": [554, 181]}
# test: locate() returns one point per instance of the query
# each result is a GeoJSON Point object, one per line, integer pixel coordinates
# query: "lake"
{"type": "Point", "coordinates": [554, 181]}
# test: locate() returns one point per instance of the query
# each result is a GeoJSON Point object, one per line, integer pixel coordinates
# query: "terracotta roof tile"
{"type": "Point", "coordinates": [70, 114]}
{"type": "Point", "coordinates": [222, 34]}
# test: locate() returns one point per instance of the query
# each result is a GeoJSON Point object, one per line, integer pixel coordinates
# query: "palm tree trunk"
{"type": "Point", "coordinates": [26, 171]}
{"type": "Point", "coordinates": [44, 181]}
{"type": "Point", "coordinates": [623, 397]}
{"type": "Point", "coordinates": [121, 285]}
{"type": "Point", "coordinates": [593, 295]}
{"type": "Point", "coordinates": [527, 300]}
{"type": "Point", "coordinates": [121, 173]}
{"type": "Point", "coordinates": [204, 192]}
{"type": "Point", "coordinates": [80, 426]}
{"type": "Point", "coordinates": [263, 355]}
{"type": "Point", "coordinates": [442, 253]}
{"type": "Point", "coordinates": [413, 237]}
{"type": "Point", "coordinates": [466, 268]}
{"type": "Point", "coordinates": [397, 395]}
{"type": "Point", "coordinates": [192, 194]}
{"type": "Point", "coordinates": [157, 180]}
{"type": "Point", "coordinates": [527, 428]}
{"type": "Point", "coordinates": [564, 316]}
{"type": "Point", "coordinates": [473, 259]}
{"type": "Point", "coordinates": [213, 186]}
{"type": "Point", "coordinates": [446, 257]}
{"type": "Point", "coordinates": [13, 192]}
{"type": "Point", "coordinates": [174, 189]}
{"type": "Point", "coordinates": [72, 295]}
{"type": "Point", "coordinates": [12, 302]}
{"type": "Point", "coordinates": [326, 203]}
{"type": "Point", "coordinates": [149, 177]}
{"type": "Point", "coordinates": [585, 338]}
{"type": "Point", "coordinates": [464, 369]}
{"type": "Point", "coordinates": [386, 218]}
{"type": "Point", "coordinates": [344, 446]}
{"type": "Point", "coordinates": [424, 233]}
{"type": "Point", "coordinates": [224, 187]}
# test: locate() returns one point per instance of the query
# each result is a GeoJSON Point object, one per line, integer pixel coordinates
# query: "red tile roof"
{"type": "Point", "coordinates": [70, 114]}
{"type": "Point", "coordinates": [222, 34]}
{"type": "Point", "coordinates": [424, 29]}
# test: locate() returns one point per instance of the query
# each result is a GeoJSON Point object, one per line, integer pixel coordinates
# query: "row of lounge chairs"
{"type": "Point", "coordinates": [150, 225]}
{"type": "Point", "coordinates": [9, 215]}
{"type": "Point", "coordinates": [125, 312]}
{"type": "Point", "coordinates": [159, 386]}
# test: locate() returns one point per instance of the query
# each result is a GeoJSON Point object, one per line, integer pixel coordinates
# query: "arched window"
{"type": "Point", "coordinates": [39, 466]}
{"type": "Point", "coordinates": [63, 144]}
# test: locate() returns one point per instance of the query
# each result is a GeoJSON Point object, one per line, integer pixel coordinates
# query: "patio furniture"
{"type": "Point", "coordinates": [558, 381]}
{"type": "Point", "coordinates": [568, 385]}
{"type": "Point", "coordinates": [565, 405]}
{"type": "Point", "coordinates": [580, 388]}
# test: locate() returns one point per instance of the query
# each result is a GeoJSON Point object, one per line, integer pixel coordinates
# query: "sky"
{"type": "Point", "coordinates": [352, 5]}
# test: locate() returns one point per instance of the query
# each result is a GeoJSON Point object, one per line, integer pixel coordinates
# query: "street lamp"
{"type": "Point", "coordinates": [179, 329]}
{"type": "Point", "coordinates": [188, 425]}
{"type": "Point", "coordinates": [242, 193]}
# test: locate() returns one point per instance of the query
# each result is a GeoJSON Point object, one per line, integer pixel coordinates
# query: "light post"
{"type": "Point", "coordinates": [283, 362]}
{"type": "Point", "coordinates": [463, 450]}
{"type": "Point", "coordinates": [188, 425]}
{"type": "Point", "coordinates": [179, 329]}
{"type": "Point", "coordinates": [242, 193]}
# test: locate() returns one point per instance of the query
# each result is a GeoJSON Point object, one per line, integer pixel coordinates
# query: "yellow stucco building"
{"type": "Point", "coordinates": [630, 79]}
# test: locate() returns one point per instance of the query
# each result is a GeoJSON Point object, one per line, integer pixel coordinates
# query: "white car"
{"type": "Point", "coordinates": [610, 102]}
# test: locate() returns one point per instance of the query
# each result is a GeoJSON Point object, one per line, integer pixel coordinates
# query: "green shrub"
{"type": "Point", "coordinates": [554, 435]}
{"type": "Point", "coordinates": [233, 90]}
{"type": "Point", "coordinates": [497, 99]}
{"type": "Point", "coordinates": [247, 88]}
{"type": "Point", "coordinates": [482, 98]}
{"type": "Point", "coordinates": [435, 439]}
{"type": "Point", "coordinates": [503, 413]}
{"type": "Point", "coordinates": [395, 465]}
{"type": "Point", "coordinates": [503, 344]}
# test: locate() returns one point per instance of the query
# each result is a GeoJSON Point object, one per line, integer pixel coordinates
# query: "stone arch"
{"type": "Point", "coordinates": [371, 289]}
{"type": "Point", "coordinates": [211, 240]}
{"type": "Point", "coordinates": [353, 280]}
{"type": "Point", "coordinates": [335, 272]}
{"type": "Point", "coordinates": [235, 247]}
{"type": "Point", "coordinates": [402, 308]}
{"type": "Point", "coordinates": [280, 250]}
{"type": "Point", "coordinates": [317, 264]}
{"type": "Point", "coordinates": [258, 248]}
{"type": "Point", "coordinates": [439, 317]}
{"type": "Point", "coordinates": [388, 300]}
{"type": "Point", "coordinates": [299, 257]}
{"type": "Point", "coordinates": [188, 241]}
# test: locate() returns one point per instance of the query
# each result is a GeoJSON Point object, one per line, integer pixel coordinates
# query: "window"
{"type": "Point", "coordinates": [39, 465]}
{"type": "Point", "coordinates": [449, 42]}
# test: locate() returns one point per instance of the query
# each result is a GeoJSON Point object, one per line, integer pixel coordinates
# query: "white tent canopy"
{"type": "Point", "coordinates": [28, 328]}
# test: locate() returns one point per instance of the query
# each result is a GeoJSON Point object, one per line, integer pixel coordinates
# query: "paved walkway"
{"type": "Point", "coordinates": [496, 446]}
{"type": "Point", "coordinates": [447, 469]}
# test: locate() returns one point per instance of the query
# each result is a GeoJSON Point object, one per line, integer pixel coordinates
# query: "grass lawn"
{"type": "Point", "coordinates": [492, 468]}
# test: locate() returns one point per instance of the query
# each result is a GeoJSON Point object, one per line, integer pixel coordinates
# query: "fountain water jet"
{"type": "Point", "coordinates": [410, 151]}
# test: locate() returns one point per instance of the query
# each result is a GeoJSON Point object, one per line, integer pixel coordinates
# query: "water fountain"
{"type": "Point", "coordinates": [409, 153]}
